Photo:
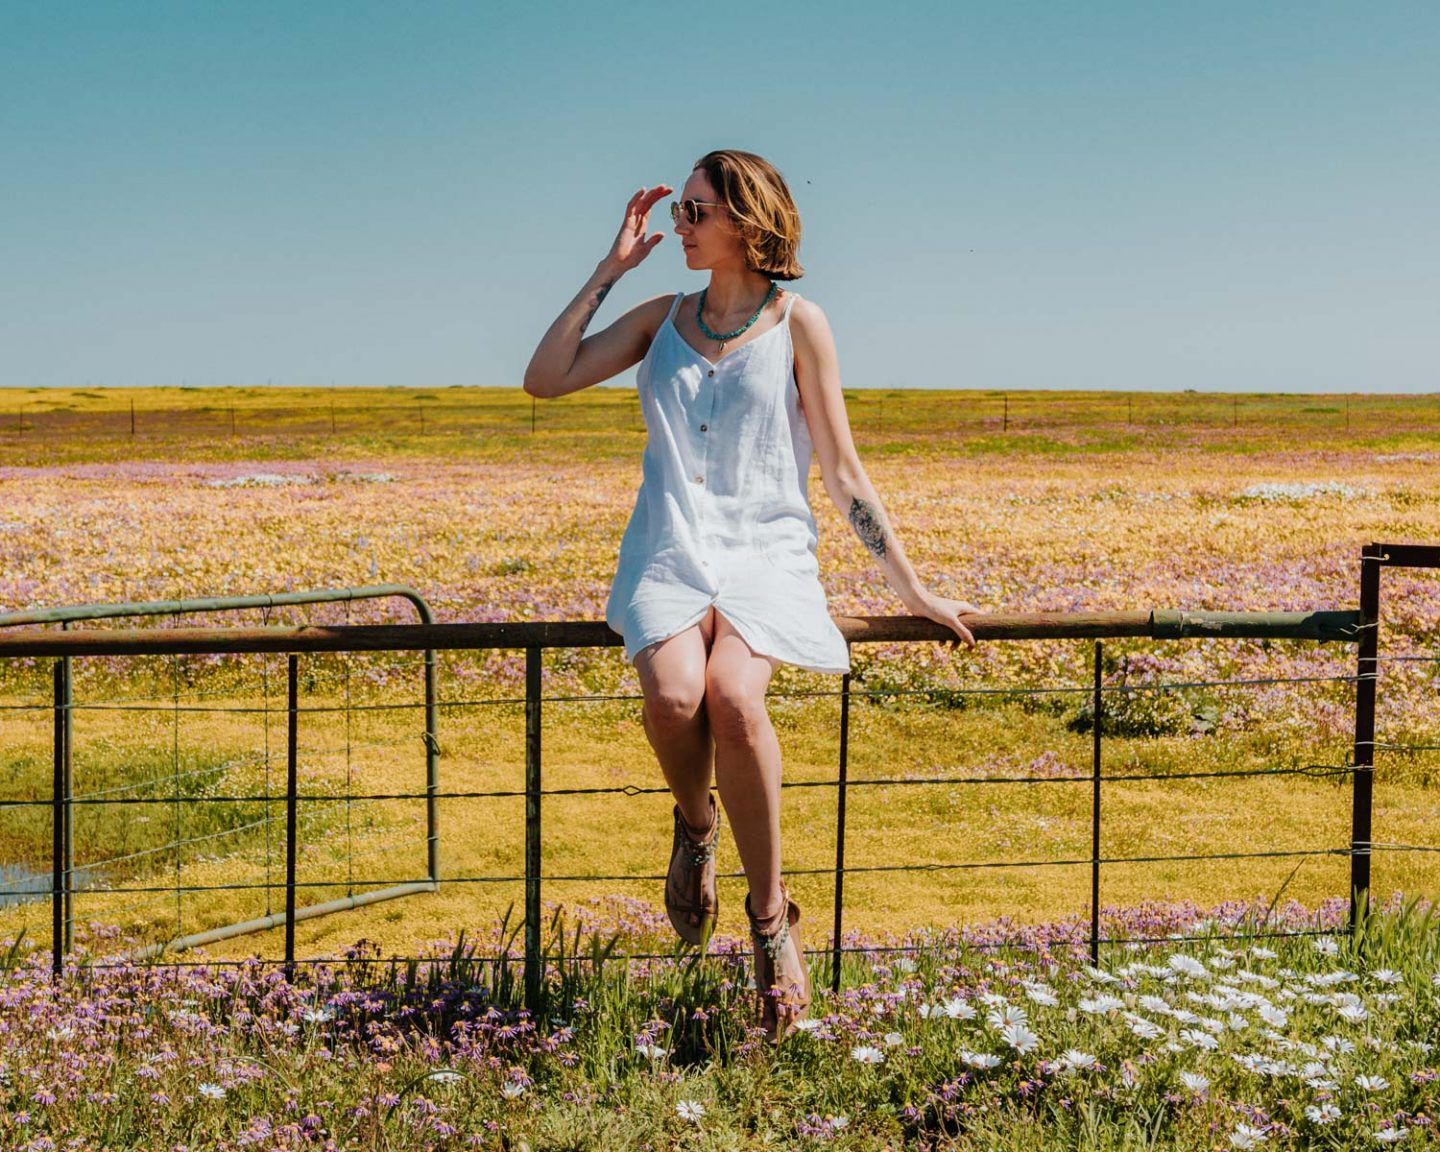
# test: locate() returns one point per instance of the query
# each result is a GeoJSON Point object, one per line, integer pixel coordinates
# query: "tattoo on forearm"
{"type": "Point", "coordinates": [595, 305]}
{"type": "Point", "coordinates": [865, 519]}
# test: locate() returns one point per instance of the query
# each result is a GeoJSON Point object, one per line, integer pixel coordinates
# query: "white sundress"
{"type": "Point", "coordinates": [723, 513]}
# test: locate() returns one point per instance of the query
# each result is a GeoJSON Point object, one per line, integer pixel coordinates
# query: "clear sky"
{"type": "Point", "coordinates": [1001, 195]}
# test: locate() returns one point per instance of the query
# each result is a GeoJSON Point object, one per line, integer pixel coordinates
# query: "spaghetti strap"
{"type": "Point", "coordinates": [675, 306]}
{"type": "Point", "coordinates": [790, 303]}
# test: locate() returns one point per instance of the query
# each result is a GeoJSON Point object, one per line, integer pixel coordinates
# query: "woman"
{"type": "Point", "coordinates": [717, 582]}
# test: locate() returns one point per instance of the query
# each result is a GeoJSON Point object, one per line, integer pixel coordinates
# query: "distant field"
{"type": "Point", "coordinates": [48, 425]}
{"type": "Point", "coordinates": [1053, 501]}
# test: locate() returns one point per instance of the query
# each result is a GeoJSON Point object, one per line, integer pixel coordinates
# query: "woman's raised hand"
{"type": "Point", "coordinates": [631, 244]}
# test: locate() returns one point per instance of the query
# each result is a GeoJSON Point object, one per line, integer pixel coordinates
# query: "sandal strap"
{"type": "Point", "coordinates": [699, 852]}
{"type": "Point", "coordinates": [773, 942]}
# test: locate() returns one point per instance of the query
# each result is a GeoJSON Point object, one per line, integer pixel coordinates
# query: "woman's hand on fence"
{"type": "Point", "coordinates": [631, 244]}
{"type": "Point", "coordinates": [948, 613]}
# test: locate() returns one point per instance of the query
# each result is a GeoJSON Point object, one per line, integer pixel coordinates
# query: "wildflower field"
{"type": "Point", "coordinates": [992, 1032]}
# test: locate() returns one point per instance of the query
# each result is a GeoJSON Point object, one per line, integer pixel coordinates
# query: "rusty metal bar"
{"type": "Point", "coordinates": [1341, 627]}
{"type": "Point", "coordinates": [1407, 555]}
{"type": "Point", "coordinates": [291, 805]}
{"type": "Point", "coordinates": [533, 958]}
{"type": "Point", "coordinates": [1098, 706]}
{"type": "Point", "coordinates": [840, 831]}
{"type": "Point", "coordinates": [57, 846]}
{"type": "Point", "coordinates": [67, 801]}
{"type": "Point", "coordinates": [216, 604]}
{"type": "Point", "coordinates": [1363, 777]}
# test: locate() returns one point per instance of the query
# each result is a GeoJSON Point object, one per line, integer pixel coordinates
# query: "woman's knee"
{"type": "Point", "coordinates": [674, 703]}
{"type": "Point", "coordinates": [736, 711]}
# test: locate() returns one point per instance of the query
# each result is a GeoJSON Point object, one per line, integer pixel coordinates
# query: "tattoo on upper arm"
{"type": "Point", "coordinates": [600, 295]}
{"type": "Point", "coordinates": [865, 519]}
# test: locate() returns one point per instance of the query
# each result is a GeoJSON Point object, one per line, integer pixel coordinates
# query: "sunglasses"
{"type": "Point", "coordinates": [690, 209]}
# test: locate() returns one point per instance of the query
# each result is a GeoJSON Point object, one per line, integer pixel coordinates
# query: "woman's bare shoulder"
{"type": "Point", "coordinates": [809, 320]}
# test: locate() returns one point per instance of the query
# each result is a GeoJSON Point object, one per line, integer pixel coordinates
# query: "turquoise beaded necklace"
{"type": "Point", "coordinates": [725, 337]}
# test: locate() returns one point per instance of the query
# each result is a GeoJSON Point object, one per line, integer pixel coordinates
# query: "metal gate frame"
{"type": "Point", "coordinates": [63, 856]}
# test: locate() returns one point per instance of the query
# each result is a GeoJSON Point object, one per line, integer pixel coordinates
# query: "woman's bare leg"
{"type": "Point", "coordinates": [672, 678]}
{"type": "Point", "coordinates": [747, 759]}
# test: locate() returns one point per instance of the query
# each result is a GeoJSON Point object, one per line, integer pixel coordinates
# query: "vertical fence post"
{"type": "Point", "coordinates": [432, 768]}
{"type": "Point", "coordinates": [67, 799]}
{"type": "Point", "coordinates": [1363, 761]}
{"type": "Point", "coordinates": [837, 954]}
{"type": "Point", "coordinates": [57, 846]}
{"type": "Point", "coordinates": [291, 803]}
{"type": "Point", "coordinates": [532, 828]}
{"type": "Point", "coordinates": [1099, 713]}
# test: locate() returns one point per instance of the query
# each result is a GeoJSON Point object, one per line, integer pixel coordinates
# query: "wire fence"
{"type": "Point", "coordinates": [105, 416]}
{"type": "Point", "coordinates": [316, 832]}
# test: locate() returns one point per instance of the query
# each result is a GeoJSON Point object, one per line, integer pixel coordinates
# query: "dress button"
{"type": "Point", "coordinates": [712, 372]}
{"type": "Point", "coordinates": [704, 427]}
{"type": "Point", "coordinates": [699, 479]}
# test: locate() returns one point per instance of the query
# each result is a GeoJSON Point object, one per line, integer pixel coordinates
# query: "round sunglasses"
{"type": "Point", "coordinates": [690, 209]}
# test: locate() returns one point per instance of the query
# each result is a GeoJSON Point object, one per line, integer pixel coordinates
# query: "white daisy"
{"type": "Point", "coordinates": [1144, 1028]}
{"type": "Point", "coordinates": [1275, 1017]}
{"type": "Point", "coordinates": [1352, 1013]}
{"type": "Point", "coordinates": [1155, 1004]}
{"type": "Point", "coordinates": [1371, 1083]}
{"type": "Point", "coordinates": [653, 1051]}
{"type": "Point", "coordinates": [1006, 1015]}
{"type": "Point", "coordinates": [691, 1110]}
{"type": "Point", "coordinates": [893, 1039]}
{"type": "Point", "coordinates": [1198, 1039]}
{"type": "Point", "coordinates": [1245, 1136]}
{"type": "Point", "coordinates": [1237, 1022]}
{"type": "Point", "coordinates": [1041, 995]}
{"type": "Point", "coordinates": [1387, 976]}
{"type": "Point", "coordinates": [1327, 946]}
{"type": "Point", "coordinates": [1101, 1005]}
{"type": "Point", "coordinates": [1391, 1135]}
{"type": "Point", "coordinates": [1262, 953]}
{"type": "Point", "coordinates": [1325, 1113]}
{"type": "Point", "coordinates": [212, 1091]}
{"type": "Point", "coordinates": [445, 1076]}
{"type": "Point", "coordinates": [1073, 1060]}
{"type": "Point", "coordinates": [957, 1009]}
{"type": "Point", "coordinates": [867, 1054]}
{"type": "Point", "coordinates": [807, 1024]}
{"type": "Point", "coordinates": [980, 1060]}
{"type": "Point", "coordinates": [1194, 1081]}
{"type": "Point", "coordinates": [512, 1090]}
{"type": "Point", "coordinates": [1019, 1037]}
{"type": "Point", "coordinates": [1188, 966]}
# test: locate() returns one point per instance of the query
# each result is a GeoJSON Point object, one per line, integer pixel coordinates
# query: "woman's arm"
{"type": "Point", "coordinates": [566, 360]}
{"type": "Point", "coordinates": [817, 373]}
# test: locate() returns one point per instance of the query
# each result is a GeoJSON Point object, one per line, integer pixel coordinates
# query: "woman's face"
{"type": "Point", "coordinates": [711, 242]}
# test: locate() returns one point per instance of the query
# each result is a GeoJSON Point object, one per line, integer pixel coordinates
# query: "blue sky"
{"type": "Point", "coordinates": [1228, 196]}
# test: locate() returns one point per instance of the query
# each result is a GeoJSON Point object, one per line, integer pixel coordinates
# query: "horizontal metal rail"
{"type": "Point", "coordinates": [1342, 627]}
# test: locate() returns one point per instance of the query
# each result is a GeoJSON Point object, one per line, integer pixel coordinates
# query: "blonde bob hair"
{"type": "Point", "coordinates": [761, 207]}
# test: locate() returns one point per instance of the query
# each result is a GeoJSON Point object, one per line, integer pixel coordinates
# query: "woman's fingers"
{"type": "Point", "coordinates": [963, 633]}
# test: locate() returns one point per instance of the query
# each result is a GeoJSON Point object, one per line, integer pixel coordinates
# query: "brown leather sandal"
{"type": "Point", "coordinates": [691, 899]}
{"type": "Point", "coordinates": [782, 978]}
